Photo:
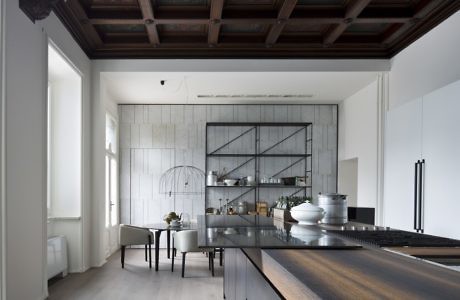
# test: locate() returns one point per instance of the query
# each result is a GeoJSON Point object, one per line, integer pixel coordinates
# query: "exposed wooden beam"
{"type": "Point", "coordinates": [406, 22]}
{"type": "Point", "coordinates": [117, 21]}
{"type": "Point", "coordinates": [269, 21]}
{"type": "Point", "coordinates": [149, 21]}
{"type": "Point", "coordinates": [177, 43]}
{"type": "Point", "coordinates": [214, 23]}
{"type": "Point", "coordinates": [83, 21]}
{"type": "Point", "coordinates": [383, 20]}
{"type": "Point", "coordinates": [283, 15]}
{"type": "Point", "coordinates": [352, 11]}
{"type": "Point", "coordinates": [422, 9]}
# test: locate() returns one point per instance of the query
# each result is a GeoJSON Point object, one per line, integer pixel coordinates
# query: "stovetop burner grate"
{"type": "Point", "coordinates": [398, 238]}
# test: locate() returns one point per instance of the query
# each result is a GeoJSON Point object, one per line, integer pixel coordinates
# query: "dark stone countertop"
{"type": "Point", "coordinates": [245, 231]}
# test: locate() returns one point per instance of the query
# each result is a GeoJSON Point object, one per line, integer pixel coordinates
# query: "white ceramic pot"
{"type": "Point", "coordinates": [307, 214]}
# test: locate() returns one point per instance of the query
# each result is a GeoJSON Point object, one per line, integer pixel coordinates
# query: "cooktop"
{"type": "Point", "coordinates": [397, 238]}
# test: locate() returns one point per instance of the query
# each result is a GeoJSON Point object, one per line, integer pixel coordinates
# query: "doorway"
{"type": "Point", "coordinates": [111, 185]}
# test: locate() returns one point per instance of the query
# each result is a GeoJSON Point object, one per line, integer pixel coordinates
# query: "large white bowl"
{"type": "Point", "coordinates": [307, 214]}
{"type": "Point", "coordinates": [230, 182]}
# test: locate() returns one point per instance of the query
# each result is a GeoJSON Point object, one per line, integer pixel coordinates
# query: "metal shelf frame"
{"type": "Point", "coordinates": [262, 154]}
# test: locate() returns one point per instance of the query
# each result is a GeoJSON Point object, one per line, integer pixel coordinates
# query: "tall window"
{"type": "Point", "coordinates": [111, 172]}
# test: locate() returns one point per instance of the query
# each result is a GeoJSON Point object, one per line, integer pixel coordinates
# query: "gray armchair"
{"type": "Point", "coordinates": [187, 241]}
{"type": "Point", "coordinates": [133, 235]}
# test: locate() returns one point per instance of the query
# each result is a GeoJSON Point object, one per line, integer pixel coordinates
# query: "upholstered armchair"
{"type": "Point", "coordinates": [133, 235]}
{"type": "Point", "coordinates": [187, 241]}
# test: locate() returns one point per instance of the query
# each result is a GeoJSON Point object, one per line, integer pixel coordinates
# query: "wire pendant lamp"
{"type": "Point", "coordinates": [182, 180]}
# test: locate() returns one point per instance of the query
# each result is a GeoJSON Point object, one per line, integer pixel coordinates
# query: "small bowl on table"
{"type": "Point", "coordinates": [175, 223]}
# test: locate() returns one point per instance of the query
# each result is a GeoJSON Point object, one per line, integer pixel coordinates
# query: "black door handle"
{"type": "Point", "coordinates": [416, 182]}
{"type": "Point", "coordinates": [420, 196]}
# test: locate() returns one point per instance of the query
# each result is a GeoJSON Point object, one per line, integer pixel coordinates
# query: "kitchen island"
{"type": "Point", "coordinates": [308, 263]}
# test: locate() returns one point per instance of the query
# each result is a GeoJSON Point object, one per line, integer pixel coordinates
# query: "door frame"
{"type": "Point", "coordinates": [2, 154]}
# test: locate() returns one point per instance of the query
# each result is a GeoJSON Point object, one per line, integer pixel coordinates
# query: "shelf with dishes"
{"type": "Point", "coordinates": [260, 186]}
{"type": "Point", "coordinates": [258, 155]}
{"type": "Point", "coordinates": [257, 162]}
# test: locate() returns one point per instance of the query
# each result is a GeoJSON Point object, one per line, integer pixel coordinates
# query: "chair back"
{"type": "Point", "coordinates": [133, 235]}
{"type": "Point", "coordinates": [186, 241]}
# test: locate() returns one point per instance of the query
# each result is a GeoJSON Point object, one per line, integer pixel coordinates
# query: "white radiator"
{"type": "Point", "coordinates": [57, 256]}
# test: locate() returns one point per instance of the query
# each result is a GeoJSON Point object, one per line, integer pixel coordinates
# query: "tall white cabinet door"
{"type": "Point", "coordinates": [441, 150]}
{"type": "Point", "coordinates": [402, 150]}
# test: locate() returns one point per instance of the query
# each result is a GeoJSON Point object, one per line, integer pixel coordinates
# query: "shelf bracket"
{"type": "Point", "coordinates": [290, 166]}
{"type": "Point", "coordinates": [296, 192]}
{"type": "Point", "coordinates": [234, 169]}
{"type": "Point", "coordinates": [283, 140]}
{"type": "Point", "coordinates": [241, 195]}
{"type": "Point", "coordinates": [232, 140]}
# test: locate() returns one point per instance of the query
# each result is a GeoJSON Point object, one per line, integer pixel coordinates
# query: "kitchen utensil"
{"type": "Point", "coordinates": [307, 214]}
{"type": "Point", "coordinates": [211, 178]}
{"type": "Point", "coordinates": [242, 208]}
{"type": "Point", "coordinates": [335, 206]}
{"type": "Point", "coordinates": [251, 180]}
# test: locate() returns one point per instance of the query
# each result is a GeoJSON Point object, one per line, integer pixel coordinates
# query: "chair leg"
{"type": "Point", "coordinates": [183, 263]}
{"type": "Point", "coordinates": [221, 252]}
{"type": "Point", "coordinates": [209, 262]}
{"type": "Point", "coordinates": [172, 261]}
{"type": "Point", "coordinates": [145, 252]}
{"type": "Point", "coordinates": [150, 252]}
{"type": "Point", "coordinates": [123, 256]}
{"type": "Point", "coordinates": [174, 250]}
{"type": "Point", "coordinates": [211, 254]}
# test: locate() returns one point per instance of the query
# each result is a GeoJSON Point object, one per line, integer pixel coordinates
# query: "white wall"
{"type": "Point", "coordinates": [25, 142]}
{"type": "Point", "coordinates": [25, 156]}
{"type": "Point", "coordinates": [431, 62]}
{"type": "Point", "coordinates": [358, 139]}
{"type": "Point", "coordinates": [347, 180]}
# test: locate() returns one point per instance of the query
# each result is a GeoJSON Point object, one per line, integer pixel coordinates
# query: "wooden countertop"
{"type": "Point", "coordinates": [354, 274]}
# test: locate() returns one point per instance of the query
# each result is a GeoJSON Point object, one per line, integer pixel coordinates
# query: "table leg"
{"type": "Point", "coordinates": [157, 248]}
{"type": "Point", "coordinates": [168, 241]}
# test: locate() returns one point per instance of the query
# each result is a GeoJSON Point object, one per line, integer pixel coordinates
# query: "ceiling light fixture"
{"type": "Point", "coordinates": [257, 96]}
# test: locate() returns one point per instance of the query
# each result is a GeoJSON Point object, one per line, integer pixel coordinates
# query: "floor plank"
{"type": "Point", "coordinates": [139, 282]}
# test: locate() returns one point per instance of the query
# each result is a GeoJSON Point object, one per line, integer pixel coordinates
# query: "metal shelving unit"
{"type": "Point", "coordinates": [256, 156]}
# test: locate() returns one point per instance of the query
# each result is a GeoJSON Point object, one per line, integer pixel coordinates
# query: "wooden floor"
{"type": "Point", "coordinates": [138, 282]}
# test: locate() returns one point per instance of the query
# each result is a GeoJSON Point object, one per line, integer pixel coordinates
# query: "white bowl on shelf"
{"type": "Point", "coordinates": [230, 182]}
{"type": "Point", "coordinates": [307, 214]}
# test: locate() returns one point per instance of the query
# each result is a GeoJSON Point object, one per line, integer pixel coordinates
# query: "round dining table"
{"type": "Point", "coordinates": [158, 228]}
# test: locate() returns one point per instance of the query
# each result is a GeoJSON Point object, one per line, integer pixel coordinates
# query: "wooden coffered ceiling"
{"type": "Point", "coordinates": [250, 29]}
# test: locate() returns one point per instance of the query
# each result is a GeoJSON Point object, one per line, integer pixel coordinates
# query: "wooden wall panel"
{"type": "Point", "coordinates": [154, 138]}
